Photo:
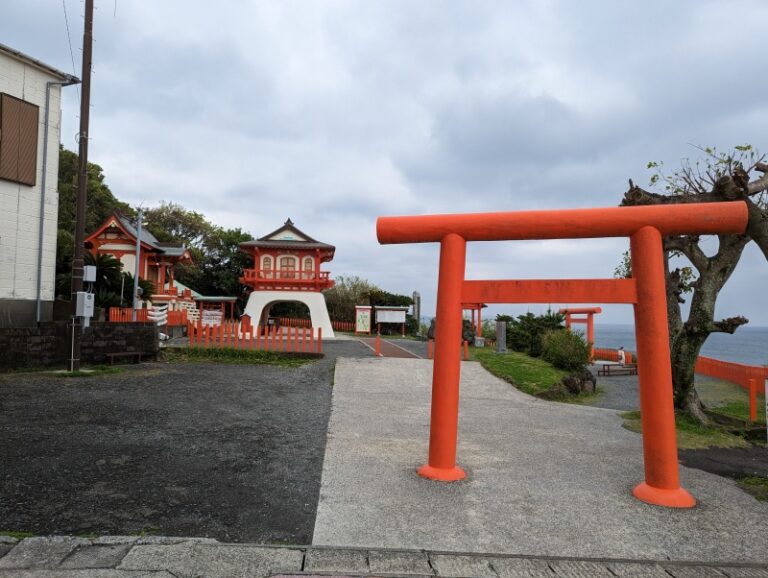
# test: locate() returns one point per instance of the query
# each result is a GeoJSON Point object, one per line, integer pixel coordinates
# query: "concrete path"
{"type": "Point", "coordinates": [157, 557]}
{"type": "Point", "coordinates": [545, 479]}
{"type": "Point", "coordinates": [388, 348]}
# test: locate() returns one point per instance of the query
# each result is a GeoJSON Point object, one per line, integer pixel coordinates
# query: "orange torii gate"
{"type": "Point", "coordinates": [645, 226]}
{"type": "Point", "coordinates": [588, 312]}
{"type": "Point", "coordinates": [475, 311]}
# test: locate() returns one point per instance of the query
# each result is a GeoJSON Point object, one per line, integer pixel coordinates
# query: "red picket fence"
{"type": "Point", "coordinates": [348, 326]}
{"type": "Point", "coordinates": [177, 318]}
{"type": "Point", "coordinates": [231, 334]}
{"type": "Point", "coordinates": [612, 355]}
{"type": "Point", "coordinates": [738, 373]}
{"type": "Point", "coordinates": [123, 314]}
{"type": "Point", "coordinates": [297, 322]}
{"type": "Point", "coordinates": [294, 322]}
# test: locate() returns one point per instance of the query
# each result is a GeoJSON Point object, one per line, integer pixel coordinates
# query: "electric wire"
{"type": "Point", "coordinates": [69, 39]}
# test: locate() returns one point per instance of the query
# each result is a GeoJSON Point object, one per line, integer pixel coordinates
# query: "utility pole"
{"type": "Point", "coordinates": [82, 184]}
{"type": "Point", "coordinates": [137, 267]}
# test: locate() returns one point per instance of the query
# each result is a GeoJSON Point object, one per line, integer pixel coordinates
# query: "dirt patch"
{"type": "Point", "coordinates": [730, 462]}
{"type": "Point", "coordinates": [232, 452]}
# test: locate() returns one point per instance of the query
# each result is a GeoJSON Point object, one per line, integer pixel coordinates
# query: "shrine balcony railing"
{"type": "Point", "coordinates": [290, 279]}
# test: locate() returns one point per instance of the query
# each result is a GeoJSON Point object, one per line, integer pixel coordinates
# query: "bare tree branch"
{"type": "Point", "coordinates": [729, 325]}
{"type": "Point", "coordinates": [688, 246]}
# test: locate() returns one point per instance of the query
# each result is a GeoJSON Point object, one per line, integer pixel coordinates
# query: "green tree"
{"type": "Point", "coordinates": [716, 177]}
{"type": "Point", "coordinates": [101, 202]}
{"type": "Point", "coordinates": [525, 333]}
{"type": "Point", "coordinates": [170, 222]}
{"type": "Point", "coordinates": [345, 294]}
{"type": "Point", "coordinates": [100, 205]}
{"type": "Point", "coordinates": [223, 264]}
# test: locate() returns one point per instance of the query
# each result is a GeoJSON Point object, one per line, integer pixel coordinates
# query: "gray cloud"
{"type": "Point", "coordinates": [335, 113]}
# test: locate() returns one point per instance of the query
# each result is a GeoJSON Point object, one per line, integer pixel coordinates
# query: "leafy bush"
{"type": "Point", "coordinates": [565, 350]}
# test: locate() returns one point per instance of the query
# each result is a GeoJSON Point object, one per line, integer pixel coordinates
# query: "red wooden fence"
{"type": "Point", "coordinates": [734, 372]}
{"type": "Point", "coordinates": [177, 318]}
{"type": "Point", "coordinates": [348, 326]}
{"type": "Point", "coordinates": [298, 322]}
{"type": "Point", "coordinates": [231, 334]}
{"type": "Point", "coordinates": [612, 355]}
{"type": "Point", "coordinates": [123, 314]}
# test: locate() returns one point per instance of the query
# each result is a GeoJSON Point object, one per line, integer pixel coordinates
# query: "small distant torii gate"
{"type": "Point", "coordinates": [589, 313]}
{"type": "Point", "coordinates": [645, 226]}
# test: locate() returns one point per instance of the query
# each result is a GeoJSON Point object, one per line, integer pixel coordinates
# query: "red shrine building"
{"type": "Point", "coordinates": [117, 237]}
{"type": "Point", "coordinates": [286, 267]}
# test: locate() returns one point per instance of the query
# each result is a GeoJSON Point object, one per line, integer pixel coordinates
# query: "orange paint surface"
{"type": "Point", "coordinates": [701, 218]}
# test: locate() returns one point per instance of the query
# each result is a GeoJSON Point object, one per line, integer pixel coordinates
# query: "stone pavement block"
{"type": "Point", "coordinates": [464, 566]}
{"type": "Point", "coordinates": [694, 572]}
{"type": "Point", "coordinates": [97, 556]}
{"type": "Point", "coordinates": [399, 563]}
{"type": "Point", "coordinates": [736, 572]}
{"type": "Point", "coordinates": [521, 568]}
{"type": "Point", "coordinates": [110, 540]}
{"type": "Point", "coordinates": [228, 561]}
{"type": "Point", "coordinates": [143, 540]}
{"type": "Point", "coordinates": [5, 548]}
{"type": "Point", "coordinates": [342, 561]}
{"type": "Point", "coordinates": [82, 574]}
{"type": "Point", "coordinates": [578, 569]}
{"type": "Point", "coordinates": [175, 558]}
{"type": "Point", "coordinates": [39, 552]}
{"type": "Point", "coordinates": [633, 570]}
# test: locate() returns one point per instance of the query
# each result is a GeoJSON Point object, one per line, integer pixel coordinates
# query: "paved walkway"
{"type": "Point", "coordinates": [132, 557]}
{"type": "Point", "coordinates": [544, 479]}
{"type": "Point", "coordinates": [389, 348]}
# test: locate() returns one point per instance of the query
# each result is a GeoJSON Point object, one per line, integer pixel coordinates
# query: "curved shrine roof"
{"type": "Point", "coordinates": [287, 237]}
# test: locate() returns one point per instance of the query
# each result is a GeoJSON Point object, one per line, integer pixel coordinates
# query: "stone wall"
{"type": "Point", "coordinates": [48, 344]}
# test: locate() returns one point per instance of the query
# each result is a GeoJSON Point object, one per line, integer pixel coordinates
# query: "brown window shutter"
{"type": "Point", "coordinates": [9, 138]}
{"type": "Point", "coordinates": [18, 140]}
{"type": "Point", "coordinates": [28, 129]}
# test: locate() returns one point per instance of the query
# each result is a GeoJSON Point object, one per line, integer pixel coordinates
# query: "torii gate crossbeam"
{"type": "Point", "coordinates": [645, 226]}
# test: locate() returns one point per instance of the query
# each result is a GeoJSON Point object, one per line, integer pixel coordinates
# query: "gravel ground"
{"type": "Point", "coordinates": [232, 452]}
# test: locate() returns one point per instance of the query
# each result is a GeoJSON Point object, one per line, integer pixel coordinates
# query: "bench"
{"type": "Point", "coordinates": [620, 369]}
{"type": "Point", "coordinates": [135, 355]}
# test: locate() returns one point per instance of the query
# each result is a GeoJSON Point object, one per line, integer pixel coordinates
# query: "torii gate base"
{"type": "Point", "coordinates": [645, 227]}
{"type": "Point", "coordinates": [258, 301]}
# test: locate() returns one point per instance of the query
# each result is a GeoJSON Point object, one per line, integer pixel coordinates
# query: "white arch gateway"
{"type": "Point", "coordinates": [259, 303]}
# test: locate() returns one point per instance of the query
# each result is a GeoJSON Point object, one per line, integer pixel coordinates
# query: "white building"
{"type": "Point", "coordinates": [30, 123]}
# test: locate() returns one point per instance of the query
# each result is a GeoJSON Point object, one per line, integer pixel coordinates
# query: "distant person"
{"type": "Point", "coordinates": [622, 356]}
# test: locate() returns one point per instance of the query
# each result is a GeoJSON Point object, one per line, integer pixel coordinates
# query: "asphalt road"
{"type": "Point", "coordinates": [232, 452]}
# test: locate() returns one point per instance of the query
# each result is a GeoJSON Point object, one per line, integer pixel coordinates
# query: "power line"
{"type": "Point", "coordinates": [69, 39]}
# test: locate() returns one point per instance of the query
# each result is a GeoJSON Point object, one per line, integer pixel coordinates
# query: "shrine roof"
{"type": "Point", "coordinates": [148, 240]}
{"type": "Point", "coordinates": [288, 236]}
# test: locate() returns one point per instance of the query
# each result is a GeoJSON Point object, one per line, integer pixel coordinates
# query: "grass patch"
{"type": "Point", "coordinates": [756, 486]}
{"type": "Point", "coordinates": [17, 535]}
{"type": "Point", "coordinates": [529, 374]}
{"type": "Point", "coordinates": [91, 371]}
{"type": "Point", "coordinates": [145, 532]}
{"type": "Point", "coordinates": [238, 356]}
{"type": "Point", "coordinates": [729, 399]}
{"type": "Point", "coordinates": [740, 410]}
{"type": "Point", "coordinates": [691, 435]}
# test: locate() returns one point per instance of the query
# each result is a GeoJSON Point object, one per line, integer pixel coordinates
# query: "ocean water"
{"type": "Point", "coordinates": [748, 345]}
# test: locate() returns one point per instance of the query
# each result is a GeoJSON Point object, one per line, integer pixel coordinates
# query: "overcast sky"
{"type": "Point", "coordinates": [333, 113]}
